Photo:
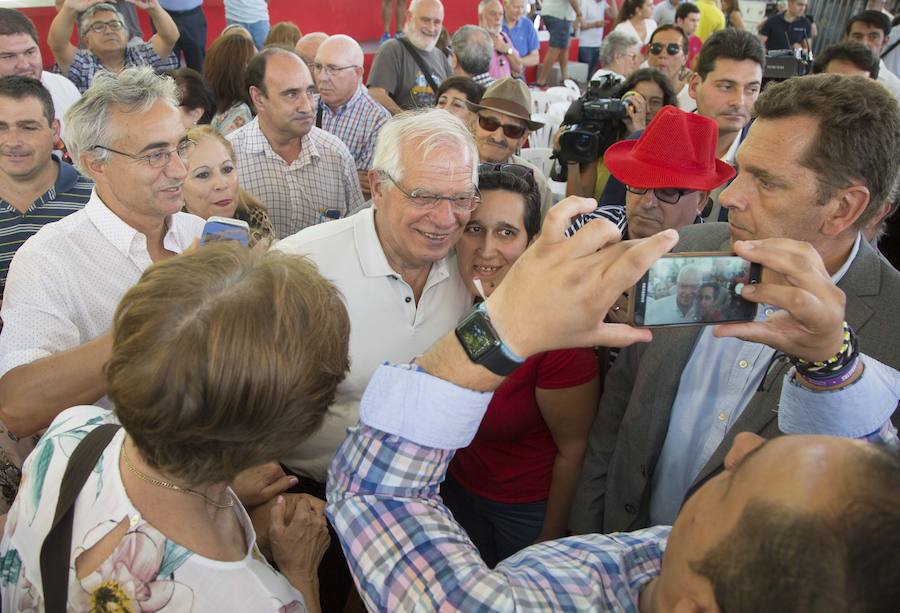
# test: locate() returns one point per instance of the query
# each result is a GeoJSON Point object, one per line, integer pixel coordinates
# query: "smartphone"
{"type": "Point", "coordinates": [693, 289]}
{"type": "Point", "coordinates": [329, 215]}
{"type": "Point", "coordinates": [225, 229]}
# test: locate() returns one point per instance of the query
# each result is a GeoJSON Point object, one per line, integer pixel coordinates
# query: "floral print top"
{"type": "Point", "coordinates": [146, 571]}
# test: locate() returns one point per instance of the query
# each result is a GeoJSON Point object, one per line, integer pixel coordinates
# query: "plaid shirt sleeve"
{"type": "Point", "coordinates": [407, 553]}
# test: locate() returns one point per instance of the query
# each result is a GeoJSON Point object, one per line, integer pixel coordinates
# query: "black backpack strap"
{"type": "Point", "coordinates": [421, 63]}
{"type": "Point", "coordinates": [891, 48]}
{"type": "Point", "coordinates": [57, 547]}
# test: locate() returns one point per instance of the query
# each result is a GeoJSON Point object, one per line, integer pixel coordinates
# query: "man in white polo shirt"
{"type": "Point", "coordinates": [65, 282]}
{"type": "Point", "coordinates": [20, 55]}
{"type": "Point", "coordinates": [395, 266]}
{"type": "Point", "coordinates": [394, 262]}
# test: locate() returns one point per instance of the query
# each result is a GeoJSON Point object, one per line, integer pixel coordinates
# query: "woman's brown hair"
{"type": "Point", "coordinates": [225, 358]}
{"type": "Point", "coordinates": [224, 67]}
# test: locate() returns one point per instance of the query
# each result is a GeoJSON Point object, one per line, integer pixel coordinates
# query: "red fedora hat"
{"type": "Point", "coordinates": [677, 150]}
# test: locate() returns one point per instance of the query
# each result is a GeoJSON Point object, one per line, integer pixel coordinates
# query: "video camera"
{"type": "Point", "coordinates": [595, 121]}
{"type": "Point", "coordinates": [783, 64]}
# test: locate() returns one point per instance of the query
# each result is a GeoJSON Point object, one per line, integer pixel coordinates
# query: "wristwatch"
{"type": "Point", "coordinates": [483, 345]}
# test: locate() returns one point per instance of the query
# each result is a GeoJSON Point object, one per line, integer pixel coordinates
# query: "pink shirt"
{"type": "Point", "coordinates": [499, 62]}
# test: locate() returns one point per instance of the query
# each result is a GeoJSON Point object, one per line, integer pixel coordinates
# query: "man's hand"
{"type": "Point", "coordinates": [558, 292]}
{"type": "Point", "coordinates": [618, 314]}
{"type": "Point", "coordinates": [636, 107]}
{"type": "Point", "coordinates": [258, 485]}
{"type": "Point", "coordinates": [810, 326]}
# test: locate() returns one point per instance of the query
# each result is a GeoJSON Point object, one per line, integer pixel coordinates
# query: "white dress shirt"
{"type": "Point", "coordinates": [386, 324]}
{"type": "Point", "coordinates": [66, 281]}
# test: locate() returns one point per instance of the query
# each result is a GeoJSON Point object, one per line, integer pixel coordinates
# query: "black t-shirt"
{"type": "Point", "coordinates": [782, 34]}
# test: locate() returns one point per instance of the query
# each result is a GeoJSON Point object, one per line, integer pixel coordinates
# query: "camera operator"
{"type": "Point", "coordinates": [604, 115]}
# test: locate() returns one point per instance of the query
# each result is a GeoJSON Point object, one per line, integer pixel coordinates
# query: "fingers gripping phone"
{"type": "Point", "coordinates": [693, 289]}
{"type": "Point", "coordinates": [225, 229]}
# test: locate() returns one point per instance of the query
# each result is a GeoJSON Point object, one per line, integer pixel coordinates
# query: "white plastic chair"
{"type": "Point", "coordinates": [540, 100]}
{"type": "Point", "coordinates": [542, 137]}
{"type": "Point", "coordinates": [561, 94]}
{"type": "Point", "coordinates": [558, 108]}
{"type": "Point", "coordinates": [572, 85]}
{"type": "Point", "coordinates": [540, 157]}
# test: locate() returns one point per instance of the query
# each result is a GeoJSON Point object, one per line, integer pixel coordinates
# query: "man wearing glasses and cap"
{"type": "Point", "coordinates": [502, 124]}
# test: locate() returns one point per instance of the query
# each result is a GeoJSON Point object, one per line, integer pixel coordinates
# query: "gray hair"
{"type": "Point", "coordinates": [423, 130]}
{"type": "Point", "coordinates": [472, 46]}
{"type": "Point", "coordinates": [616, 43]}
{"type": "Point", "coordinates": [98, 8]}
{"type": "Point", "coordinates": [87, 121]}
{"type": "Point", "coordinates": [486, 3]}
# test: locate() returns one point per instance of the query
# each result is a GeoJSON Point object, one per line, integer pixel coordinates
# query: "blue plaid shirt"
{"type": "Point", "coordinates": [357, 123]}
{"type": "Point", "coordinates": [406, 551]}
{"type": "Point", "coordinates": [85, 64]}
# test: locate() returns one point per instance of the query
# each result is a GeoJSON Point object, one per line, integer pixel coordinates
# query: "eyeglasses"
{"type": "Point", "coordinates": [518, 170]}
{"type": "Point", "coordinates": [157, 159]}
{"type": "Point", "coordinates": [330, 69]}
{"type": "Point", "coordinates": [509, 130]}
{"type": "Point", "coordinates": [427, 201]}
{"type": "Point", "coordinates": [102, 26]}
{"type": "Point", "coordinates": [669, 195]}
{"type": "Point", "coordinates": [671, 48]}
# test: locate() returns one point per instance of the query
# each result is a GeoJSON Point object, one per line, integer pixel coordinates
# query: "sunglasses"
{"type": "Point", "coordinates": [517, 170]}
{"type": "Point", "coordinates": [509, 130]}
{"type": "Point", "coordinates": [669, 195]}
{"type": "Point", "coordinates": [671, 48]}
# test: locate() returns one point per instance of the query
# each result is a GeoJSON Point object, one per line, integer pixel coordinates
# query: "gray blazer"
{"type": "Point", "coordinates": [633, 418]}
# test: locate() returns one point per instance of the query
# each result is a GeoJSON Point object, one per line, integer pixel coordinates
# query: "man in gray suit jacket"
{"type": "Point", "coordinates": [815, 168]}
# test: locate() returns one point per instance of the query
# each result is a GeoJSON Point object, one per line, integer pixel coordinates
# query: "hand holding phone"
{"type": "Point", "coordinates": [225, 229]}
{"type": "Point", "coordinates": [694, 289]}
{"type": "Point", "coordinates": [810, 323]}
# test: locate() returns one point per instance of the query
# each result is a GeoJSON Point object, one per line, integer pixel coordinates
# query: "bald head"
{"type": "Point", "coordinates": [338, 69]}
{"type": "Point", "coordinates": [308, 46]}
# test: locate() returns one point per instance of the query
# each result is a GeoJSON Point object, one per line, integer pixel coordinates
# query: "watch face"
{"type": "Point", "coordinates": [475, 336]}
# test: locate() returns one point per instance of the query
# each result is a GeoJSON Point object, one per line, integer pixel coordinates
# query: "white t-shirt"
{"type": "Point", "coordinates": [247, 11]}
{"type": "Point", "coordinates": [889, 80]}
{"type": "Point", "coordinates": [685, 102]}
{"type": "Point", "coordinates": [592, 10]}
{"type": "Point", "coordinates": [64, 94]}
{"type": "Point", "coordinates": [385, 321]}
{"type": "Point", "coordinates": [628, 28]}
{"type": "Point", "coordinates": [65, 282]}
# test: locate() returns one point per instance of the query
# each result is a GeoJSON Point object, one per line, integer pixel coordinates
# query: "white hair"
{"type": "Point", "coordinates": [425, 130]}
{"type": "Point", "coordinates": [87, 121]}
{"type": "Point", "coordinates": [98, 8]}
{"type": "Point", "coordinates": [486, 3]}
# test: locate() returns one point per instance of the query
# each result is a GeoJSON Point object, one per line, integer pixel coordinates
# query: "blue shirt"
{"type": "Point", "coordinates": [69, 194]}
{"type": "Point", "coordinates": [180, 5]}
{"type": "Point", "coordinates": [523, 35]}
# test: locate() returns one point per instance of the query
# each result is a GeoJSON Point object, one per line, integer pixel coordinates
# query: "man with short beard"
{"type": "Point", "coordinates": [505, 60]}
{"type": "Point", "coordinates": [396, 80]}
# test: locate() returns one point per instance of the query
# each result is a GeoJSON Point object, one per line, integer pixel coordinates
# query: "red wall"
{"type": "Point", "coordinates": [361, 19]}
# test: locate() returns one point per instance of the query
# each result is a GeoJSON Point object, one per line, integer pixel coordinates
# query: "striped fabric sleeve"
{"type": "Point", "coordinates": [610, 212]}
{"type": "Point", "coordinates": [407, 553]}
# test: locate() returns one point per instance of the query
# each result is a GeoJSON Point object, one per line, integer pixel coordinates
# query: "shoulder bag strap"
{"type": "Point", "coordinates": [421, 63]}
{"type": "Point", "coordinates": [57, 546]}
{"type": "Point", "coordinates": [891, 48]}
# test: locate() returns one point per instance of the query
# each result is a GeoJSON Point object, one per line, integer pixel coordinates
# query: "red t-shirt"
{"type": "Point", "coordinates": [694, 45]}
{"type": "Point", "coordinates": [511, 458]}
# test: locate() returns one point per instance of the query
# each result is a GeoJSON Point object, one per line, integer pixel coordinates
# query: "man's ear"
{"type": "Point", "coordinates": [94, 165]}
{"type": "Point", "coordinates": [257, 97]}
{"type": "Point", "coordinates": [693, 84]}
{"type": "Point", "coordinates": [57, 141]}
{"type": "Point", "coordinates": [376, 187]}
{"type": "Point", "coordinates": [705, 204]}
{"type": "Point", "coordinates": [851, 203]}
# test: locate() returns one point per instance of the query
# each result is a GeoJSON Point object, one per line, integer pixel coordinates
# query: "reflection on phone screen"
{"type": "Point", "coordinates": [696, 290]}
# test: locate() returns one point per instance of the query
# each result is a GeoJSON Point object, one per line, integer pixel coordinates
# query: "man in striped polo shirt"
{"type": "Point", "coordinates": [35, 187]}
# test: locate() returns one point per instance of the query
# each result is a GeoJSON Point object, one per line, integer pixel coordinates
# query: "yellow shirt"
{"type": "Point", "coordinates": [712, 19]}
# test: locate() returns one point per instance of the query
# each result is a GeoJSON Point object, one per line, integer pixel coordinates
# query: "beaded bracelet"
{"type": "Point", "coordinates": [835, 369]}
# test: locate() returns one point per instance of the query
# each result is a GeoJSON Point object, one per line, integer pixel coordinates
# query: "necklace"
{"type": "Point", "coordinates": [172, 486]}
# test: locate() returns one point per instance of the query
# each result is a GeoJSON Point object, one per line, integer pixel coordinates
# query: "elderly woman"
{"type": "Point", "coordinates": [454, 92]}
{"type": "Point", "coordinates": [211, 187]}
{"type": "Point", "coordinates": [222, 359]}
{"type": "Point", "coordinates": [513, 485]}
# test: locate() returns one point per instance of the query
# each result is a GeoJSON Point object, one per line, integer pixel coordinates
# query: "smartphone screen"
{"type": "Point", "coordinates": [225, 229]}
{"type": "Point", "coordinates": [694, 289]}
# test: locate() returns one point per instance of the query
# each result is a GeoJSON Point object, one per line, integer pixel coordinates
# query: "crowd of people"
{"type": "Point", "coordinates": [421, 385]}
